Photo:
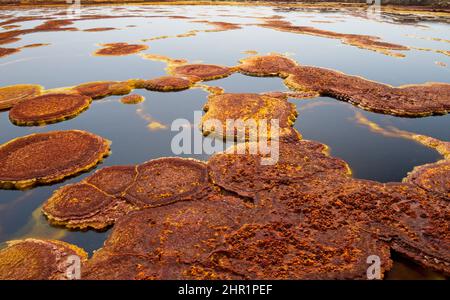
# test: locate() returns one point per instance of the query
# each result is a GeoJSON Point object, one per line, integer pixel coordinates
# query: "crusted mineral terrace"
{"type": "Point", "coordinates": [34, 259]}
{"type": "Point", "coordinates": [412, 100]}
{"type": "Point", "coordinates": [101, 89]}
{"type": "Point", "coordinates": [43, 158]}
{"type": "Point", "coordinates": [304, 217]}
{"type": "Point", "coordinates": [49, 108]}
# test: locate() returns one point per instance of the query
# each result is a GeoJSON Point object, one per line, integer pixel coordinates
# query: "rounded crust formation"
{"type": "Point", "coordinates": [432, 177]}
{"type": "Point", "coordinates": [49, 108]}
{"type": "Point", "coordinates": [168, 84]}
{"type": "Point", "coordinates": [269, 65]}
{"type": "Point", "coordinates": [202, 71]}
{"type": "Point", "coordinates": [100, 199]}
{"type": "Point", "coordinates": [132, 99]}
{"type": "Point", "coordinates": [101, 89]}
{"type": "Point", "coordinates": [13, 94]}
{"type": "Point", "coordinates": [247, 107]}
{"type": "Point", "coordinates": [34, 259]}
{"type": "Point", "coordinates": [43, 158]}
{"type": "Point", "coordinates": [119, 49]}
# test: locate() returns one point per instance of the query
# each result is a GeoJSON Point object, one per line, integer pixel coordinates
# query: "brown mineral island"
{"type": "Point", "coordinates": [13, 94]}
{"type": "Point", "coordinates": [119, 49]}
{"type": "Point", "coordinates": [49, 108]}
{"type": "Point", "coordinates": [203, 72]}
{"type": "Point", "coordinates": [43, 158]}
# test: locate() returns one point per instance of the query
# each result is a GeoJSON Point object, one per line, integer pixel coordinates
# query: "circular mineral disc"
{"type": "Point", "coordinates": [113, 180]}
{"type": "Point", "coordinates": [168, 83]}
{"type": "Point", "coordinates": [101, 89]}
{"type": "Point", "coordinates": [132, 99]}
{"type": "Point", "coordinates": [48, 157]}
{"type": "Point", "coordinates": [166, 180]}
{"type": "Point", "coordinates": [119, 49]}
{"type": "Point", "coordinates": [269, 65]}
{"type": "Point", "coordinates": [253, 110]}
{"type": "Point", "coordinates": [33, 259]}
{"type": "Point", "coordinates": [245, 173]}
{"type": "Point", "coordinates": [204, 72]}
{"type": "Point", "coordinates": [76, 201]}
{"type": "Point", "coordinates": [13, 94]}
{"type": "Point", "coordinates": [48, 108]}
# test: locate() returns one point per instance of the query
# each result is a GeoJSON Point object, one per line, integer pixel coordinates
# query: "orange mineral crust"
{"type": "Point", "coordinates": [49, 108]}
{"type": "Point", "coordinates": [13, 94]}
{"type": "Point", "coordinates": [43, 158]}
{"type": "Point", "coordinates": [411, 100]}
{"type": "Point", "coordinates": [34, 259]}
{"type": "Point", "coordinates": [253, 107]}
{"type": "Point", "coordinates": [434, 177]}
{"type": "Point", "coordinates": [100, 199]}
{"type": "Point", "coordinates": [8, 51]}
{"type": "Point", "coordinates": [168, 84]}
{"type": "Point", "coordinates": [101, 89]}
{"type": "Point", "coordinates": [119, 49]}
{"type": "Point", "coordinates": [132, 99]}
{"type": "Point", "coordinates": [204, 72]}
{"type": "Point", "coordinates": [269, 65]}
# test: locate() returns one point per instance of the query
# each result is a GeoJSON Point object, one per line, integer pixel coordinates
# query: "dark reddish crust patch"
{"type": "Point", "coordinates": [13, 94]}
{"type": "Point", "coordinates": [166, 180]}
{"type": "Point", "coordinates": [33, 259]}
{"type": "Point", "coordinates": [433, 177]}
{"type": "Point", "coordinates": [49, 108]}
{"type": "Point", "coordinates": [412, 100]}
{"type": "Point", "coordinates": [113, 180]}
{"type": "Point", "coordinates": [168, 83]}
{"type": "Point", "coordinates": [119, 49]}
{"type": "Point", "coordinates": [247, 107]}
{"type": "Point", "coordinates": [48, 157]}
{"type": "Point", "coordinates": [101, 89]}
{"type": "Point", "coordinates": [204, 72]}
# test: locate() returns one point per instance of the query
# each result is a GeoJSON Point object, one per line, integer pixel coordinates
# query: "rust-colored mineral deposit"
{"type": "Point", "coordinates": [253, 108]}
{"type": "Point", "coordinates": [132, 99]}
{"type": "Point", "coordinates": [34, 259]}
{"type": "Point", "coordinates": [120, 49]}
{"type": "Point", "coordinates": [168, 84]}
{"type": "Point", "coordinates": [13, 94]}
{"type": "Point", "coordinates": [204, 72]}
{"type": "Point", "coordinates": [434, 177]}
{"type": "Point", "coordinates": [48, 108]}
{"type": "Point", "coordinates": [43, 158]}
{"type": "Point", "coordinates": [101, 89]}
{"type": "Point", "coordinates": [269, 65]}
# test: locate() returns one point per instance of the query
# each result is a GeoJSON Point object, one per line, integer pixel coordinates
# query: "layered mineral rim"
{"type": "Point", "coordinates": [13, 94]}
{"type": "Point", "coordinates": [34, 259]}
{"type": "Point", "coordinates": [101, 89]}
{"type": "Point", "coordinates": [48, 108]}
{"type": "Point", "coordinates": [100, 199]}
{"type": "Point", "coordinates": [132, 99]}
{"type": "Point", "coordinates": [44, 158]}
